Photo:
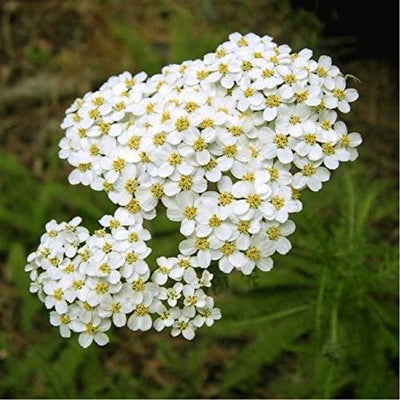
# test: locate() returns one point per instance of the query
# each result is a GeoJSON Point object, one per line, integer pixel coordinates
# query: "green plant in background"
{"type": "Point", "coordinates": [305, 329]}
{"type": "Point", "coordinates": [322, 323]}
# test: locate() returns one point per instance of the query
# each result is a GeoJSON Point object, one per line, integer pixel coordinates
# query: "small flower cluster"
{"type": "Point", "coordinates": [225, 144]}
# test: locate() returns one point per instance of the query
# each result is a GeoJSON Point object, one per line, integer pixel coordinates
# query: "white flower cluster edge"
{"type": "Point", "coordinates": [226, 144]}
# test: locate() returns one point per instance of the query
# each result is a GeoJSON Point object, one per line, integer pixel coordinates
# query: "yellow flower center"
{"type": "Point", "coordinates": [289, 79]}
{"type": "Point", "coordinates": [94, 113]}
{"type": "Point", "coordinates": [174, 159]}
{"type": "Point", "coordinates": [267, 73]}
{"type": "Point", "coordinates": [120, 106]}
{"type": "Point", "coordinates": [159, 139]}
{"type": "Point", "coordinates": [301, 96]}
{"type": "Point", "coordinates": [104, 128]}
{"type": "Point", "coordinates": [253, 253]}
{"type": "Point", "coordinates": [345, 142]}
{"type": "Point", "coordinates": [107, 247]}
{"type": "Point", "coordinates": [308, 170]}
{"type": "Point", "coordinates": [243, 226]}
{"type": "Point", "coordinates": [116, 308]}
{"type": "Point", "coordinates": [214, 221]}
{"type": "Point", "coordinates": [91, 329]}
{"type": "Point", "coordinates": [77, 285]}
{"type": "Point", "coordinates": [273, 233]}
{"type": "Point", "coordinates": [133, 237]}
{"type": "Point", "coordinates": [339, 94]}
{"type": "Point", "coordinates": [104, 268]}
{"type": "Point", "coordinates": [58, 294]}
{"type": "Point", "coordinates": [272, 101]}
{"type": "Point", "coordinates": [201, 243]}
{"type": "Point", "coordinates": [254, 200]}
{"type": "Point", "coordinates": [133, 142]}
{"type": "Point", "coordinates": [328, 149]}
{"type": "Point", "coordinates": [249, 177]}
{"type": "Point", "coordinates": [322, 72]}
{"type": "Point", "coordinates": [141, 310]}
{"type": "Point", "coordinates": [235, 130]}
{"type": "Point", "coordinates": [278, 202]}
{"type": "Point", "coordinates": [273, 173]}
{"type": "Point", "coordinates": [83, 167]}
{"type": "Point", "coordinates": [225, 198]}
{"type": "Point", "coordinates": [281, 141]}
{"type": "Point", "coordinates": [138, 285]}
{"type": "Point", "coordinates": [228, 248]}
{"type": "Point", "coordinates": [65, 319]}
{"type": "Point", "coordinates": [185, 182]}
{"type": "Point", "coordinates": [182, 123]}
{"type": "Point", "coordinates": [242, 42]}
{"type": "Point", "coordinates": [190, 212]}
{"type": "Point", "coordinates": [230, 151]}
{"type": "Point", "coordinates": [199, 144]}
{"type": "Point", "coordinates": [326, 125]}
{"type": "Point", "coordinates": [118, 164]}
{"type": "Point", "coordinates": [157, 190]}
{"type": "Point", "coordinates": [223, 68]}
{"type": "Point", "coordinates": [69, 269]}
{"type": "Point", "coordinates": [131, 185]}
{"type": "Point", "coordinates": [294, 119]}
{"type": "Point", "coordinates": [248, 92]}
{"type": "Point", "coordinates": [133, 206]}
{"type": "Point", "coordinates": [310, 138]}
{"type": "Point", "coordinates": [101, 288]}
{"type": "Point", "coordinates": [246, 66]}
{"type": "Point", "coordinates": [94, 150]}
{"type": "Point", "coordinates": [191, 106]}
{"type": "Point", "coordinates": [210, 165]}
{"type": "Point", "coordinates": [207, 123]}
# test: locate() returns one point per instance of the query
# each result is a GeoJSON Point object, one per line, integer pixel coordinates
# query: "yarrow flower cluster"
{"type": "Point", "coordinates": [225, 144]}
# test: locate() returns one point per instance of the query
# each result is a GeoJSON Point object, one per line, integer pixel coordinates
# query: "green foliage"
{"type": "Point", "coordinates": [323, 323]}
{"type": "Point", "coordinates": [142, 53]}
{"type": "Point", "coordinates": [327, 312]}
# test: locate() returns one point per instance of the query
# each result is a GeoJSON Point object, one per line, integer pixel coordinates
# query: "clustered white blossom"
{"type": "Point", "coordinates": [225, 144]}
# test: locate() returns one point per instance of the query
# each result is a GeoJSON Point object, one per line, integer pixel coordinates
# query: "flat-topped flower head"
{"type": "Point", "coordinates": [223, 145]}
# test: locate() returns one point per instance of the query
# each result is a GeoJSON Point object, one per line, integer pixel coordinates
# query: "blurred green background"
{"type": "Point", "coordinates": [323, 323]}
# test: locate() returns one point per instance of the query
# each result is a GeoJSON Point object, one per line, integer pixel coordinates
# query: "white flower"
{"type": "Point", "coordinates": [92, 331]}
{"type": "Point", "coordinates": [199, 245]}
{"type": "Point", "coordinates": [257, 255]}
{"type": "Point", "coordinates": [255, 197]}
{"type": "Point", "coordinates": [165, 318]}
{"type": "Point", "coordinates": [247, 95]}
{"type": "Point", "coordinates": [183, 207]}
{"type": "Point", "coordinates": [174, 294]}
{"type": "Point", "coordinates": [183, 324]}
{"type": "Point", "coordinates": [308, 145]}
{"type": "Point", "coordinates": [212, 219]}
{"type": "Point", "coordinates": [207, 314]}
{"type": "Point", "coordinates": [292, 119]}
{"type": "Point", "coordinates": [280, 204]}
{"type": "Point", "coordinates": [226, 143]}
{"type": "Point", "coordinates": [160, 275]}
{"type": "Point", "coordinates": [325, 73]}
{"type": "Point", "coordinates": [340, 97]}
{"type": "Point", "coordinates": [277, 144]}
{"type": "Point", "coordinates": [193, 297]}
{"type": "Point", "coordinates": [57, 296]}
{"type": "Point", "coordinates": [116, 307]}
{"type": "Point", "coordinates": [311, 175]}
{"type": "Point", "coordinates": [276, 234]}
{"type": "Point", "coordinates": [83, 172]}
{"type": "Point", "coordinates": [229, 256]}
{"type": "Point", "coordinates": [64, 321]}
{"type": "Point", "coordinates": [141, 319]}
